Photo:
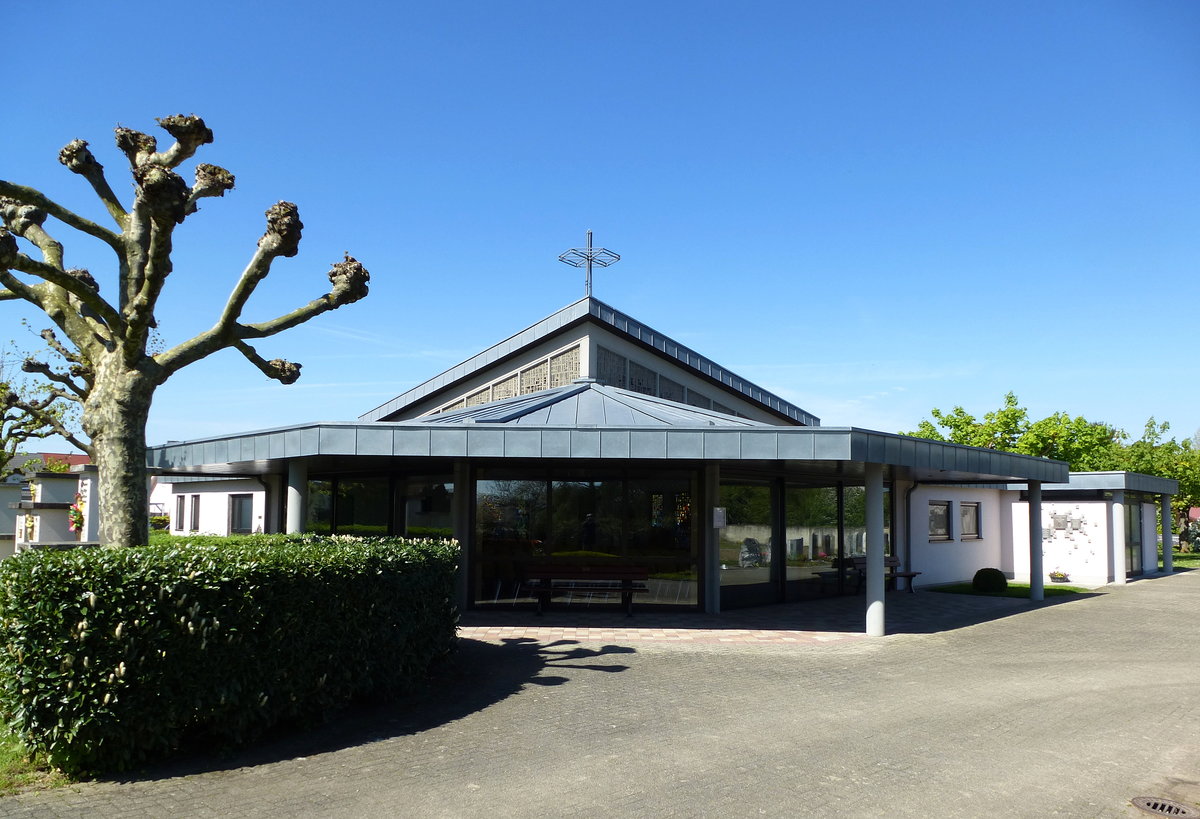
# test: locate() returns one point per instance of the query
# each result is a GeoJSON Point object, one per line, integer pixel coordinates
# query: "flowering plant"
{"type": "Point", "coordinates": [75, 515]}
{"type": "Point", "coordinates": [1059, 576]}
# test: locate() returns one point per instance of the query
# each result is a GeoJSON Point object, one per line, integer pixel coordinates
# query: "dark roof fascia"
{"type": "Point", "coordinates": [741, 444]}
{"type": "Point", "coordinates": [626, 326]}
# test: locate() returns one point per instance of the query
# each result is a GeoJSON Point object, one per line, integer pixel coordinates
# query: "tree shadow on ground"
{"type": "Point", "coordinates": [477, 675]}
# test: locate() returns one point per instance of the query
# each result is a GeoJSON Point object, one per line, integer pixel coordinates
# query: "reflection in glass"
{"type": "Point", "coordinates": [424, 507]}
{"type": "Point", "coordinates": [361, 507]}
{"type": "Point", "coordinates": [618, 520]}
{"type": "Point", "coordinates": [745, 541]}
{"type": "Point", "coordinates": [319, 519]}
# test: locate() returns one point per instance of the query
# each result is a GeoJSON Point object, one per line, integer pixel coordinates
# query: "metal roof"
{"type": "Point", "coordinates": [589, 308]}
{"type": "Point", "coordinates": [1113, 482]}
{"type": "Point", "coordinates": [824, 451]}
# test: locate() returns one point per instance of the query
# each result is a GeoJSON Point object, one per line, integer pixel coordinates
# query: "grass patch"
{"type": "Point", "coordinates": [1013, 590]}
{"type": "Point", "coordinates": [1186, 560]}
{"type": "Point", "coordinates": [19, 771]}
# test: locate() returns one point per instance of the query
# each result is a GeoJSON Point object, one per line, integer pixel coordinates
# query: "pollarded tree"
{"type": "Point", "coordinates": [109, 370]}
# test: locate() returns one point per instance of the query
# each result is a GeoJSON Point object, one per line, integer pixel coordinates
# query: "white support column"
{"type": "Point", "coordinates": [297, 496]}
{"type": "Point", "coordinates": [1168, 559]}
{"type": "Point", "coordinates": [461, 505]}
{"type": "Point", "coordinates": [711, 555]}
{"type": "Point", "coordinates": [1037, 574]}
{"type": "Point", "coordinates": [1117, 524]}
{"type": "Point", "coordinates": [876, 625]}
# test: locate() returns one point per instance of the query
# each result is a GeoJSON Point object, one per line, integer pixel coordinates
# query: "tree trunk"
{"type": "Point", "coordinates": [114, 417]}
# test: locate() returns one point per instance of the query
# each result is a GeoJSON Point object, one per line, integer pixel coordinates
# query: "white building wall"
{"type": "Point", "coordinates": [1076, 539]}
{"type": "Point", "coordinates": [956, 559]}
{"type": "Point", "coordinates": [214, 505]}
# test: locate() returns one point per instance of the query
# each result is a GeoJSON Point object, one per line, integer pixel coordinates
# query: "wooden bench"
{"type": "Point", "coordinates": [544, 581]}
{"type": "Point", "coordinates": [891, 565]}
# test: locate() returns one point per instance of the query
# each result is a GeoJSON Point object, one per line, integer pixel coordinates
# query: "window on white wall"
{"type": "Point", "coordinates": [180, 505]}
{"type": "Point", "coordinates": [241, 514]}
{"type": "Point", "coordinates": [939, 520]}
{"type": "Point", "coordinates": [195, 527]}
{"type": "Point", "coordinates": [968, 514]}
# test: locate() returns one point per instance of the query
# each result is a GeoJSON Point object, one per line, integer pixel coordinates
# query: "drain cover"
{"type": "Point", "coordinates": [1164, 807]}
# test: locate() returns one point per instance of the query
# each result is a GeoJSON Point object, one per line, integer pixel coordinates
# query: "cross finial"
{"type": "Point", "coordinates": [585, 257]}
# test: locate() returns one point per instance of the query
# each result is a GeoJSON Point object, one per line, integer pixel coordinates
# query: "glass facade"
{"type": "Point", "coordinates": [619, 519]}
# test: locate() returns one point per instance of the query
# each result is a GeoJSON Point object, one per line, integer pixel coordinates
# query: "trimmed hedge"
{"type": "Point", "coordinates": [989, 581]}
{"type": "Point", "coordinates": [111, 657]}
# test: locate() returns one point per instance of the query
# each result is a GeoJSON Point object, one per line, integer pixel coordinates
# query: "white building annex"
{"type": "Point", "coordinates": [589, 440]}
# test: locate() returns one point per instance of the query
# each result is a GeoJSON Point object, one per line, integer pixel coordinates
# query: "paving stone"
{"type": "Point", "coordinates": [970, 707]}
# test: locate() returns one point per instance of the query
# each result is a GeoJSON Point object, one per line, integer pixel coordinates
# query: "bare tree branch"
{"type": "Point", "coordinates": [349, 279]}
{"type": "Point", "coordinates": [285, 372]}
{"type": "Point", "coordinates": [30, 196]}
{"type": "Point", "coordinates": [77, 393]}
{"type": "Point", "coordinates": [79, 159]}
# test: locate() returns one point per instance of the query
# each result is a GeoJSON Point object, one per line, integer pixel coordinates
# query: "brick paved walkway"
{"type": "Point", "coordinates": [970, 707]}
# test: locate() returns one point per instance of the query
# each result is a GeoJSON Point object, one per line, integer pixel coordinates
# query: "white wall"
{"type": "Point", "coordinates": [1076, 539]}
{"type": "Point", "coordinates": [214, 505]}
{"type": "Point", "coordinates": [957, 559]}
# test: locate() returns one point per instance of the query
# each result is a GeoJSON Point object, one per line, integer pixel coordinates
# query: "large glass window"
{"type": "Point", "coordinates": [361, 506]}
{"type": "Point", "coordinates": [939, 520]}
{"type": "Point", "coordinates": [745, 541]}
{"type": "Point", "coordinates": [319, 518]}
{"type": "Point", "coordinates": [812, 540]}
{"type": "Point", "coordinates": [1133, 538]}
{"type": "Point", "coordinates": [423, 507]}
{"type": "Point", "coordinates": [968, 515]}
{"type": "Point", "coordinates": [581, 520]}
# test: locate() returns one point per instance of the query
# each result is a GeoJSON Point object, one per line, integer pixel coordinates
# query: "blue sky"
{"type": "Point", "coordinates": [869, 208]}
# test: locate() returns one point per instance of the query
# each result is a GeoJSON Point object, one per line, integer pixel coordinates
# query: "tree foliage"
{"type": "Point", "coordinates": [28, 413]}
{"type": "Point", "coordinates": [1088, 446]}
{"type": "Point", "coordinates": [107, 367]}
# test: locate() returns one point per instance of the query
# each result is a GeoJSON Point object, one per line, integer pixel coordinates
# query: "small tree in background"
{"type": "Point", "coordinates": [108, 369]}
{"type": "Point", "coordinates": [27, 413]}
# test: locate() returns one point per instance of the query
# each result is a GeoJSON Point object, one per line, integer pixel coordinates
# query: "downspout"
{"type": "Point", "coordinates": [908, 527]}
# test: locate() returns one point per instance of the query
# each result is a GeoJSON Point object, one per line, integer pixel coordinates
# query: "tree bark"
{"type": "Point", "coordinates": [115, 416]}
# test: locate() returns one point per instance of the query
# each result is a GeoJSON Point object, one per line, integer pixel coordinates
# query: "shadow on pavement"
{"type": "Point", "coordinates": [476, 676]}
{"type": "Point", "coordinates": [924, 612]}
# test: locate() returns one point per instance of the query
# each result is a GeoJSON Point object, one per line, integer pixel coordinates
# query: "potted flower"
{"type": "Point", "coordinates": [1058, 576]}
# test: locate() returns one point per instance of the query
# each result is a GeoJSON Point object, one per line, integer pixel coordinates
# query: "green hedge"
{"type": "Point", "coordinates": [111, 657]}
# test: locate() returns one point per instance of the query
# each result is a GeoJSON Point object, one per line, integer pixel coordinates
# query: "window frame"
{"type": "Point", "coordinates": [964, 534]}
{"type": "Point", "coordinates": [194, 523]}
{"type": "Point", "coordinates": [238, 498]}
{"type": "Point", "coordinates": [180, 512]}
{"type": "Point", "coordinates": [948, 535]}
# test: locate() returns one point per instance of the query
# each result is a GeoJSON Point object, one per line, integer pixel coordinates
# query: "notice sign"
{"type": "Point", "coordinates": [719, 517]}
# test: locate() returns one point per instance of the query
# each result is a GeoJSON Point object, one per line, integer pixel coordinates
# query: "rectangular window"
{"type": "Point", "coordinates": [968, 514]}
{"type": "Point", "coordinates": [195, 527]}
{"type": "Point", "coordinates": [180, 505]}
{"type": "Point", "coordinates": [939, 520]}
{"type": "Point", "coordinates": [241, 514]}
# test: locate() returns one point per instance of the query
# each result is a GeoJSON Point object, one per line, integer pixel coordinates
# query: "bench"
{"type": "Point", "coordinates": [891, 565]}
{"type": "Point", "coordinates": [545, 581]}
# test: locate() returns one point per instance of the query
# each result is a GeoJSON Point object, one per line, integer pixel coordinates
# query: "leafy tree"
{"type": "Point", "coordinates": [1085, 445]}
{"type": "Point", "coordinates": [27, 413]}
{"type": "Point", "coordinates": [110, 372]}
{"type": "Point", "coordinates": [1001, 429]}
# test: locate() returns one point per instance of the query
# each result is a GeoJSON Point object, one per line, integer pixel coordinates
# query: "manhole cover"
{"type": "Point", "coordinates": [1163, 807]}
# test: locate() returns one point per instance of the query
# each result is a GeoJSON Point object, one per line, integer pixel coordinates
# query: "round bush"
{"type": "Point", "coordinates": [989, 581]}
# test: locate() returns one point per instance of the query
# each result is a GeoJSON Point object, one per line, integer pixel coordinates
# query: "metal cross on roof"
{"type": "Point", "coordinates": [587, 256]}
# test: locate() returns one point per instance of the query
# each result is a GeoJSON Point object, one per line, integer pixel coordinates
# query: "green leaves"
{"type": "Point", "coordinates": [108, 657]}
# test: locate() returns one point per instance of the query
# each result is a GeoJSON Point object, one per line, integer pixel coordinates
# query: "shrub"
{"type": "Point", "coordinates": [160, 522]}
{"type": "Point", "coordinates": [989, 581]}
{"type": "Point", "coordinates": [110, 657]}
